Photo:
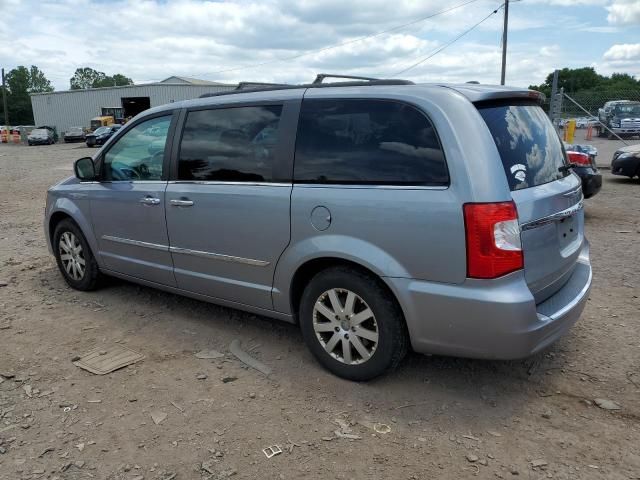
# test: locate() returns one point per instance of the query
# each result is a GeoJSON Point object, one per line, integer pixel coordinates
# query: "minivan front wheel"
{"type": "Point", "coordinates": [352, 324]}
{"type": "Point", "coordinates": [74, 257]}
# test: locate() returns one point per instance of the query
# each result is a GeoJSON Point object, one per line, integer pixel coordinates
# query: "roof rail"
{"type": "Point", "coordinates": [388, 81]}
{"type": "Point", "coordinates": [357, 82]}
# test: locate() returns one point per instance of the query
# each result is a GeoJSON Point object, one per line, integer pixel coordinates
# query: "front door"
{"type": "Point", "coordinates": [128, 204]}
{"type": "Point", "coordinates": [228, 210]}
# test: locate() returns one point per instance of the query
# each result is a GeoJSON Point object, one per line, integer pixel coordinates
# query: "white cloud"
{"type": "Point", "coordinates": [625, 51]}
{"type": "Point", "coordinates": [624, 12]}
{"type": "Point", "coordinates": [150, 40]}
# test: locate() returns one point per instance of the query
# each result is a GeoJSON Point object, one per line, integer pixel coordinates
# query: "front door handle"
{"type": "Point", "coordinates": [181, 203]}
{"type": "Point", "coordinates": [149, 200]}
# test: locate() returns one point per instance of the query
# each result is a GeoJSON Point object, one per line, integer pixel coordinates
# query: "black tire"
{"type": "Point", "coordinates": [91, 277]}
{"type": "Point", "coordinates": [392, 343]}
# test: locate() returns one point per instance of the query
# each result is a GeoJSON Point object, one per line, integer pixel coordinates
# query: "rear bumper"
{"type": "Point", "coordinates": [495, 319]}
{"type": "Point", "coordinates": [591, 181]}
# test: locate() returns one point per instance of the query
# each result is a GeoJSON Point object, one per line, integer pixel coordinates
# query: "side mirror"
{"type": "Point", "coordinates": [84, 169]}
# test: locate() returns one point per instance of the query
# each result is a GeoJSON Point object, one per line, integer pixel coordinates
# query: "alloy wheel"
{"type": "Point", "coordinates": [345, 326]}
{"type": "Point", "coordinates": [72, 255]}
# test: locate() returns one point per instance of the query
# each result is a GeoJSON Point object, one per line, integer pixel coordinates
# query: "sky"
{"type": "Point", "coordinates": [255, 40]}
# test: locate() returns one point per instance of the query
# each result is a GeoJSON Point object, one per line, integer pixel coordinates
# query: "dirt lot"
{"type": "Point", "coordinates": [448, 418]}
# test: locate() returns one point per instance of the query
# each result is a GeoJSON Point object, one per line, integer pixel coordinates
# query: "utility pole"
{"type": "Point", "coordinates": [4, 101]}
{"type": "Point", "coordinates": [504, 41]}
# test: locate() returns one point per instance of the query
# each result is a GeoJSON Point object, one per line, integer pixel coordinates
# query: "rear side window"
{"type": "Point", "coordinates": [230, 144]}
{"type": "Point", "coordinates": [528, 144]}
{"type": "Point", "coordinates": [367, 142]}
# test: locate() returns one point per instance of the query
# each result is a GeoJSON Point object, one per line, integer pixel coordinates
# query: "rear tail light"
{"type": "Point", "coordinates": [579, 158]}
{"type": "Point", "coordinates": [493, 239]}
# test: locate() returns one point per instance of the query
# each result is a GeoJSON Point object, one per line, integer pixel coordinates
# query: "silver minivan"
{"type": "Point", "coordinates": [378, 215]}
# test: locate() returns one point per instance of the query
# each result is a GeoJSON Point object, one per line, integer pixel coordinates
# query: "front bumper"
{"type": "Point", "coordinates": [38, 141]}
{"type": "Point", "coordinates": [626, 166]}
{"type": "Point", "coordinates": [491, 319]}
{"type": "Point", "coordinates": [625, 131]}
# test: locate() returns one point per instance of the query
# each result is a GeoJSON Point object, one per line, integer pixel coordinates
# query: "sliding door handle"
{"type": "Point", "coordinates": [181, 203]}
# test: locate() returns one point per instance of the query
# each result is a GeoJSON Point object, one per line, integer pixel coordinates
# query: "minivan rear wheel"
{"type": "Point", "coordinates": [75, 260]}
{"type": "Point", "coordinates": [352, 324]}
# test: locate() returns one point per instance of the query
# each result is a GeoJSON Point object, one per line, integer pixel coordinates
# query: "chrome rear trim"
{"type": "Point", "coordinates": [553, 217]}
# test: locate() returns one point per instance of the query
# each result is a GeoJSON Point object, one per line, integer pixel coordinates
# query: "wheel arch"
{"type": "Point", "coordinates": [64, 209]}
{"type": "Point", "coordinates": [306, 271]}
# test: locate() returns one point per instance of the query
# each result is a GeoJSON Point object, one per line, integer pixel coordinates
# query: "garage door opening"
{"type": "Point", "coordinates": [134, 105]}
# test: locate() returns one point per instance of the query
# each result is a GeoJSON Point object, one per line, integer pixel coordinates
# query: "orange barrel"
{"type": "Point", "coordinates": [589, 132]}
{"type": "Point", "coordinates": [4, 136]}
{"type": "Point", "coordinates": [16, 136]}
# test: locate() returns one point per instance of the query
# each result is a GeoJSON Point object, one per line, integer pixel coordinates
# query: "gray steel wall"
{"type": "Point", "coordinates": [76, 108]}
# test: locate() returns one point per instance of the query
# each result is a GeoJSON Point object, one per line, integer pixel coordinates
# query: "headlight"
{"type": "Point", "coordinates": [615, 124]}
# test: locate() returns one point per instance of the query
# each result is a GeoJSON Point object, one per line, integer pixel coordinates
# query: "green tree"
{"type": "Point", "coordinates": [21, 81]}
{"type": "Point", "coordinates": [116, 80]}
{"type": "Point", "coordinates": [89, 78]}
{"type": "Point", "coordinates": [38, 83]}
{"type": "Point", "coordinates": [86, 78]}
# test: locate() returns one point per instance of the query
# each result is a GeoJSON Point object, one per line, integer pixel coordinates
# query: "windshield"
{"type": "Point", "coordinates": [102, 130]}
{"type": "Point", "coordinates": [528, 144]}
{"type": "Point", "coordinates": [627, 110]}
{"type": "Point", "coordinates": [75, 130]}
{"type": "Point", "coordinates": [39, 131]}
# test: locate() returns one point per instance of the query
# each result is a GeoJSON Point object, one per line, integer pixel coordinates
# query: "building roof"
{"type": "Point", "coordinates": [193, 81]}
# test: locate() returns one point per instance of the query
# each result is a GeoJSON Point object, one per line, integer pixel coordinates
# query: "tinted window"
{"type": "Point", "coordinates": [528, 144]}
{"type": "Point", "coordinates": [230, 144]}
{"type": "Point", "coordinates": [367, 142]}
{"type": "Point", "coordinates": [138, 154]}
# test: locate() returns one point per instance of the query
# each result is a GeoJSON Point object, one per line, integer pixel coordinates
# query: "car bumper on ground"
{"type": "Point", "coordinates": [490, 319]}
{"type": "Point", "coordinates": [591, 181]}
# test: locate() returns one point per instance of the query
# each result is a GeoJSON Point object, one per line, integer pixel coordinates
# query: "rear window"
{"type": "Point", "coordinates": [367, 142]}
{"type": "Point", "coordinates": [528, 144]}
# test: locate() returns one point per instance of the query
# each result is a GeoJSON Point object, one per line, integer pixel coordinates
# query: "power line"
{"type": "Point", "coordinates": [452, 41]}
{"type": "Point", "coordinates": [342, 44]}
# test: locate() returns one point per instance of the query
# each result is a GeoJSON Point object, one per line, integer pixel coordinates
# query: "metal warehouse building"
{"type": "Point", "coordinates": [76, 108]}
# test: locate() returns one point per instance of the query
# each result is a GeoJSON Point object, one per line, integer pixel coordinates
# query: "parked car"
{"type": "Point", "coordinates": [626, 161]}
{"type": "Point", "coordinates": [40, 136]}
{"type": "Point", "coordinates": [23, 129]}
{"type": "Point", "coordinates": [583, 159]}
{"type": "Point", "coordinates": [53, 130]}
{"type": "Point", "coordinates": [101, 135]}
{"type": "Point", "coordinates": [74, 134]}
{"type": "Point", "coordinates": [444, 218]}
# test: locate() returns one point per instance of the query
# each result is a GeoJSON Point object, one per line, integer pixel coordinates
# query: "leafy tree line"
{"type": "Point", "coordinates": [90, 78]}
{"type": "Point", "coordinates": [22, 82]}
{"type": "Point", "coordinates": [590, 89]}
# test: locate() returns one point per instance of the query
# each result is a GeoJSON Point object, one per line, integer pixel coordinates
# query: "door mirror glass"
{"type": "Point", "coordinates": [85, 169]}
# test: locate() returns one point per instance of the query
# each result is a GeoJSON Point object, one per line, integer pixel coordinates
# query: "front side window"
{"type": "Point", "coordinates": [367, 142]}
{"type": "Point", "coordinates": [139, 153]}
{"type": "Point", "coordinates": [230, 144]}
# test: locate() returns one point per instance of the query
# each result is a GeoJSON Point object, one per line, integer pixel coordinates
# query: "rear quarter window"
{"type": "Point", "coordinates": [529, 147]}
{"type": "Point", "coordinates": [367, 142]}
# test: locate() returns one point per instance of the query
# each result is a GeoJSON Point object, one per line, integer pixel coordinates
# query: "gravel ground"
{"type": "Point", "coordinates": [446, 418]}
